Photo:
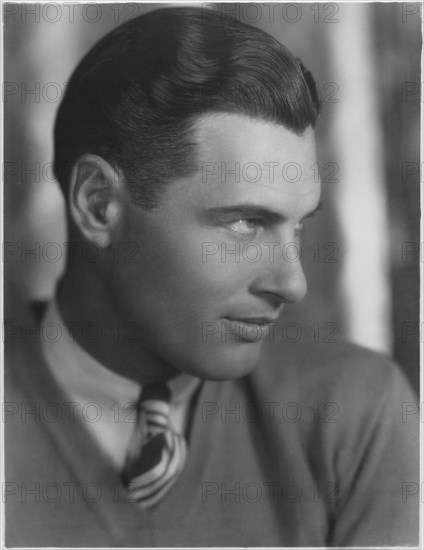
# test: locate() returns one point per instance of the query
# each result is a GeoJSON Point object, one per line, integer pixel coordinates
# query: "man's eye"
{"type": "Point", "coordinates": [244, 227]}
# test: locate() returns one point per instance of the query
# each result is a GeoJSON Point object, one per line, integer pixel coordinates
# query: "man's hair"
{"type": "Point", "coordinates": [135, 96]}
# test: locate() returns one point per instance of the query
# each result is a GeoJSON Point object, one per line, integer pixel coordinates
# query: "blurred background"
{"type": "Point", "coordinates": [361, 254]}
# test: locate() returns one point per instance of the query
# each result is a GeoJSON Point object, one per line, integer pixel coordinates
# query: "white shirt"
{"type": "Point", "coordinates": [104, 399]}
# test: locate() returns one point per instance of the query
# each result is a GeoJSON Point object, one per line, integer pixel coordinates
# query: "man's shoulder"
{"type": "Point", "coordinates": [341, 371]}
{"type": "Point", "coordinates": [337, 359]}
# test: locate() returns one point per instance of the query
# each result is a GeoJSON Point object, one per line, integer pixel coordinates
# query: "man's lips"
{"type": "Point", "coordinates": [249, 329]}
{"type": "Point", "coordinates": [254, 320]}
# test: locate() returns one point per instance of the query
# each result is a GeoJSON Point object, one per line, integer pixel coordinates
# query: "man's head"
{"type": "Point", "coordinates": [190, 136]}
{"type": "Point", "coordinates": [135, 96]}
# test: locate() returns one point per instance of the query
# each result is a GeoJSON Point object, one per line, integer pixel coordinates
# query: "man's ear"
{"type": "Point", "coordinates": [96, 197]}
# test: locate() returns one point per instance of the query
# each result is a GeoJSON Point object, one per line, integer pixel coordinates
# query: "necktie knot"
{"type": "Point", "coordinates": [158, 391]}
{"type": "Point", "coordinates": [153, 410]}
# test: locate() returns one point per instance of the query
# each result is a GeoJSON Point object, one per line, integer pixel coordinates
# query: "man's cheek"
{"type": "Point", "coordinates": [223, 257]}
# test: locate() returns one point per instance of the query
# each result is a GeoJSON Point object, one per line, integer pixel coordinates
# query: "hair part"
{"type": "Point", "coordinates": [134, 97]}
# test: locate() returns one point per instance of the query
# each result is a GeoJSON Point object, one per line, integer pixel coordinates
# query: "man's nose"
{"type": "Point", "coordinates": [284, 279]}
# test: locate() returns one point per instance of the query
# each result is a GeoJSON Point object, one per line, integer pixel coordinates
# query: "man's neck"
{"type": "Point", "coordinates": [92, 321]}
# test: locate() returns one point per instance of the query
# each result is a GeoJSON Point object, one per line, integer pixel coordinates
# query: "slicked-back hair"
{"type": "Point", "coordinates": [135, 96]}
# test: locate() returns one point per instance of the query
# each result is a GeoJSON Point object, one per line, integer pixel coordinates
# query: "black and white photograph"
{"type": "Point", "coordinates": [212, 250]}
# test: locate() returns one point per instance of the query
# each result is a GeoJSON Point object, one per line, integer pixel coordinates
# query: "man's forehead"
{"type": "Point", "coordinates": [237, 149]}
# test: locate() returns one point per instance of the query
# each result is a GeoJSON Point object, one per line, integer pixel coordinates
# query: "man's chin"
{"type": "Point", "coordinates": [229, 363]}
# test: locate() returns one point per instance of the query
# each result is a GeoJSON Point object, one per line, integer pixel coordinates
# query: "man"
{"type": "Point", "coordinates": [155, 410]}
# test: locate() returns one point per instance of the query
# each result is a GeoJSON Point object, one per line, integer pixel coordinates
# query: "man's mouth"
{"type": "Point", "coordinates": [249, 329]}
{"type": "Point", "coordinates": [254, 320]}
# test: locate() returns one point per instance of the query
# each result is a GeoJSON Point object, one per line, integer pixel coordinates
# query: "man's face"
{"type": "Point", "coordinates": [216, 260]}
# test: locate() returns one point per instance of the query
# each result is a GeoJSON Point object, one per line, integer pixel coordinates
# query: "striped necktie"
{"type": "Point", "coordinates": [157, 453]}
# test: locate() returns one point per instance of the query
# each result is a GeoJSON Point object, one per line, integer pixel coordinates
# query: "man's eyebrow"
{"type": "Point", "coordinates": [247, 210]}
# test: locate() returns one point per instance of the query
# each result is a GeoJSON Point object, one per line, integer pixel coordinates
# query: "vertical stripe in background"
{"type": "Point", "coordinates": [361, 196]}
